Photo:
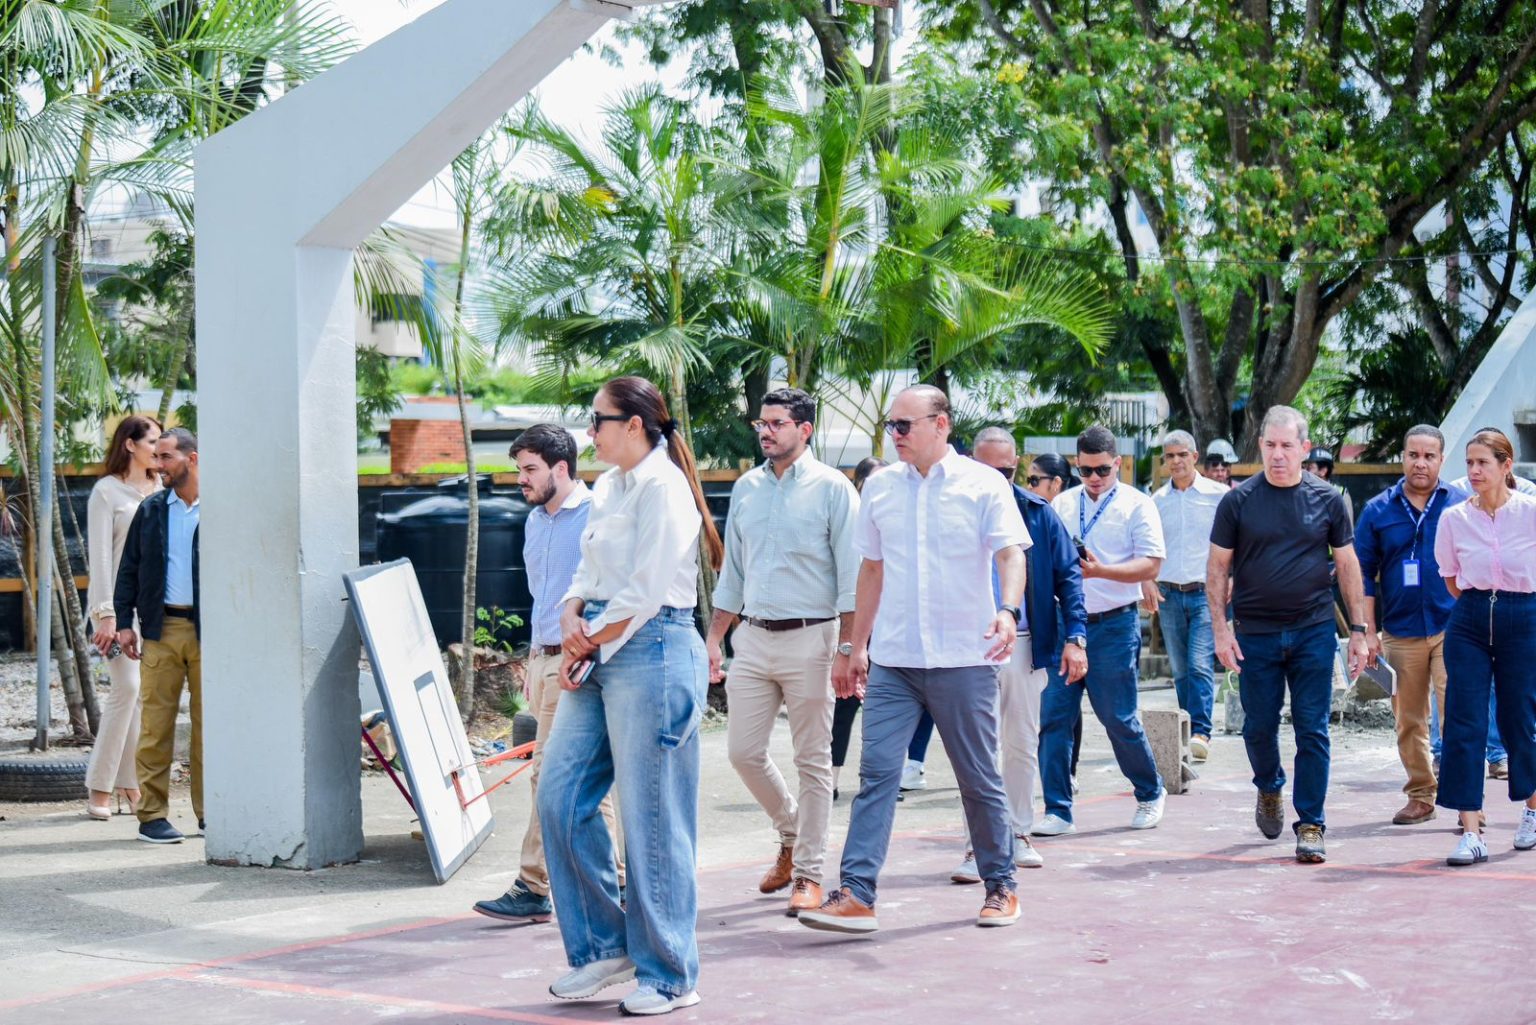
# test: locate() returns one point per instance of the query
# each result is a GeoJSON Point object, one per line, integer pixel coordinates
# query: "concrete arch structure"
{"type": "Point", "coordinates": [1501, 393]}
{"type": "Point", "coordinates": [283, 198]}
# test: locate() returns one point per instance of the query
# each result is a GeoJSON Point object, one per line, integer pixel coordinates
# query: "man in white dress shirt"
{"type": "Point", "coordinates": [788, 579]}
{"type": "Point", "coordinates": [928, 634]}
{"type": "Point", "coordinates": [1120, 540]}
{"type": "Point", "coordinates": [1187, 507]}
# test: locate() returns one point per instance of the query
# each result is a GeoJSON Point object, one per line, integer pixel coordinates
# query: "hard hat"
{"type": "Point", "coordinates": [1223, 448]}
{"type": "Point", "coordinates": [1319, 455]}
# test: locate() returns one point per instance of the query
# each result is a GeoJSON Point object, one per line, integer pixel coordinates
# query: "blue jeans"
{"type": "Point", "coordinates": [963, 703]}
{"type": "Point", "coordinates": [1114, 648]}
{"type": "Point", "coordinates": [1303, 660]}
{"type": "Point", "coordinates": [1495, 751]}
{"type": "Point", "coordinates": [1489, 646]}
{"type": "Point", "coordinates": [917, 750]}
{"type": "Point", "coordinates": [635, 721]}
{"type": "Point", "coordinates": [1186, 622]}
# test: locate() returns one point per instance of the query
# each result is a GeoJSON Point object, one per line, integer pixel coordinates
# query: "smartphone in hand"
{"type": "Point", "coordinates": [580, 671]}
{"type": "Point", "coordinates": [1082, 549]}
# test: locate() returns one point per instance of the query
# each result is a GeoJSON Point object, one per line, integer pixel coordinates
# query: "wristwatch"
{"type": "Point", "coordinates": [1079, 640]}
{"type": "Point", "coordinates": [1014, 611]}
{"type": "Point", "coordinates": [1356, 628]}
{"type": "Point", "coordinates": [845, 649]}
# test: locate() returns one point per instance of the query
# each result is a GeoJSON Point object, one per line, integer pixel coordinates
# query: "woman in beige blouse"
{"type": "Point", "coordinates": [130, 478]}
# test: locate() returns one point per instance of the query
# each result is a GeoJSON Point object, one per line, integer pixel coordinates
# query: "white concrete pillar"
{"type": "Point", "coordinates": [283, 198]}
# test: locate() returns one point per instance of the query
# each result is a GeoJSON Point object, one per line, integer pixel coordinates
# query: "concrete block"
{"type": "Point", "coordinates": [1168, 733]}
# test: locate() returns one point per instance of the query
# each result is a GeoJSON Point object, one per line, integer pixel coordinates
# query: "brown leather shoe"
{"type": "Point", "coordinates": [806, 896]}
{"type": "Point", "coordinates": [781, 873]}
{"type": "Point", "coordinates": [841, 912]}
{"type": "Point", "coordinates": [1000, 908]}
{"type": "Point", "coordinates": [1414, 812]}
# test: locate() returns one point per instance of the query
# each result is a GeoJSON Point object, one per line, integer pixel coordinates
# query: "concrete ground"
{"type": "Point", "coordinates": [1200, 919]}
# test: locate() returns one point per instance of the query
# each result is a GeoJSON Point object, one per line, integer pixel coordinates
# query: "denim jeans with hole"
{"type": "Point", "coordinates": [1186, 621]}
{"type": "Point", "coordinates": [1301, 660]}
{"type": "Point", "coordinates": [634, 723]}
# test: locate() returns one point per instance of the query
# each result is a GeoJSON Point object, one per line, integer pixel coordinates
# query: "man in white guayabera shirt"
{"type": "Point", "coordinates": [928, 635]}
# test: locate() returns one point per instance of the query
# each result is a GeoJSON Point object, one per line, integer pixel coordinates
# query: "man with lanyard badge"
{"type": "Point", "coordinates": [1120, 542]}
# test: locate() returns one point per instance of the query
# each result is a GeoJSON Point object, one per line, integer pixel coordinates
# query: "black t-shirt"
{"type": "Point", "coordinates": [1280, 539]}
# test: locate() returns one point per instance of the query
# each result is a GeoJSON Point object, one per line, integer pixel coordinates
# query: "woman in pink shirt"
{"type": "Point", "coordinates": [1486, 549]}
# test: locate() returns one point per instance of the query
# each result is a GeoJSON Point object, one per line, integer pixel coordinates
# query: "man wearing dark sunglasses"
{"type": "Point", "coordinates": [1119, 538]}
{"type": "Point", "coordinates": [788, 579]}
{"type": "Point", "coordinates": [928, 635]}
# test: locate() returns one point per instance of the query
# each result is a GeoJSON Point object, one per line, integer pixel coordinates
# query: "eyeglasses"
{"type": "Point", "coordinates": [902, 428]}
{"type": "Point", "coordinates": [598, 419]}
{"type": "Point", "coordinates": [1096, 471]}
{"type": "Point", "coordinates": [1035, 481]}
{"type": "Point", "coordinates": [773, 426]}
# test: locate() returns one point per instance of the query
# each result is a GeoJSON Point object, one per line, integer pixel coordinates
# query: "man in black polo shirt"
{"type": "Point", "coordinates": [1272, 536]}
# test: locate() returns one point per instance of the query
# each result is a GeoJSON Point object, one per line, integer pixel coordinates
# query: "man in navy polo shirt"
{"type": "Point", "coordinates": [1395, 539]}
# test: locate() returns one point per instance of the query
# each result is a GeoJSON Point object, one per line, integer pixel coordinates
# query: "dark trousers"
{"type": "Point", "coordinates": [963, 702]}
{"type": "Point", "coordinates": [843, 713]}
{"type": "Point", "coordinates": [1490, 644]}
{"type": "Point", "coordinates": [1301, 659]}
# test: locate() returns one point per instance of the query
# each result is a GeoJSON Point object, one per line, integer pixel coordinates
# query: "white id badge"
{"type": "Point", "coordinates": [1411, 573]}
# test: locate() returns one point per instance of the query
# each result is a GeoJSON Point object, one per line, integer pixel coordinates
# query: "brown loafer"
{"type": "Point", "coordinates": [779, 876]}
{"type": "Point", "coordinates": [1414, 812]}
{"type": "Point", "coordinates": [806, 896]}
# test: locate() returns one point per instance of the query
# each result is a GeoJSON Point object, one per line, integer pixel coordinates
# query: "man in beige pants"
{"type": "Point", "coordinates": [546, 473]}
{"type": "Point", "coordinates": [789, 577]}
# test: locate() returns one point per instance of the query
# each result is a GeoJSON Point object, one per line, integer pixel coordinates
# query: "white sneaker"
{"type": "Point", "coordinates": [1024, 853]}
{"type": "Point", "coordinates": [1075, 788]}
{"type": "Point", "coordinates": [966, 873]}
{"type": "Point", "coordinates": [1199, 748]}
{"type": "Point", "coordinates": [1053, 825]}
{"type": "Point", "coordinates": [912, 776]}
{"type": "Point", "coordinates": [1149, 813]}
{"type": "Point", "coordinates": [1469, 851]}
{"type": "Point", "coordinates": [648, 1000]}
{"type": "Point", "coordinates": [592, 978]}
{"type": "Point", "coordinates": [1525, 833]}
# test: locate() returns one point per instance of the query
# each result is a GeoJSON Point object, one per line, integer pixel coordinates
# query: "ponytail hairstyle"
{"type": "Point", "coordinates": [131, 428]}
{"type": "Point", "coordinates": [635, 396]}
{"type": "Point", "coordinates": [1497, 442]}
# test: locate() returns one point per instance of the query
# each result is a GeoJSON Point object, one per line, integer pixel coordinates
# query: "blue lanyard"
{"type": "Point", "coordinates": [1082, 502]}
{"type": "Point", "coordinates": [1417, 519]}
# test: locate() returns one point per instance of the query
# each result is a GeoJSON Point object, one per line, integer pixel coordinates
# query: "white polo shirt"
{"type": "Point", "coordinates": [1187, 516]}
{"type": "Point", "coordinates": [936, 537]}
{"type": "Point", "coordinates": [1124, 525]}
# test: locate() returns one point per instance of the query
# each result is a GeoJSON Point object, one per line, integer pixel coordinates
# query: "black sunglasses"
{"type": "Point", "coordinates": [1096, 471]}
{"type": "Point", "coordinates": [598, 419]}
{"type": "Point", "coordinates": [903, 428]}
{"type": "Point", "coordinates": [1036, 481]}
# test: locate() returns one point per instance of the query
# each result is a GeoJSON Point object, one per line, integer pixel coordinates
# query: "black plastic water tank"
{"type": "Point", "coordinates": [431, 531]}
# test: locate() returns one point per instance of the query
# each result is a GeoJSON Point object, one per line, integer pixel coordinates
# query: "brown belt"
{"type": "Point", "coordinates": [1198, 585]}
{"type": "Point", "coordinates": [780, 625]}
{"type": "Point", "coordinates": [547, 649]}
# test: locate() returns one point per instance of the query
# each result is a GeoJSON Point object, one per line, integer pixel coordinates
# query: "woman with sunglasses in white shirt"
{"type": "Point", "coordinates": [635, 678]}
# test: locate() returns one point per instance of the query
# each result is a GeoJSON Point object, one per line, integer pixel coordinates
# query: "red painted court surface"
{"type": "Point", "coordinates": [1198, 920]}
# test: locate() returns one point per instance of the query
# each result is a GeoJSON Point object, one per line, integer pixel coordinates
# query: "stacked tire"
{"type": "Point", "coordinates": [42, 778]}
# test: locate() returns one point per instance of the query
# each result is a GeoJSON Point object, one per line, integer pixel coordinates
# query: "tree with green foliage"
{"type": "Point", "coordinates": [1283, 153]}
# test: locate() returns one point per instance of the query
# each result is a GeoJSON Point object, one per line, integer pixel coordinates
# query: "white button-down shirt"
{"type": "Point", "coordinates": [639, 551]}
{"type": "Point", "coordinates": [789, 543]}
{"type": "Point", "coordinates": [1187, 516]}
{"type": "Point", "coordinates": [936, 536]}
{"type": "Point", "coordinates": [1128, 528]}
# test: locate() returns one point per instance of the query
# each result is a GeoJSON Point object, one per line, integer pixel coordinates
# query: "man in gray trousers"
{"type": "Point", "coordinates": [928, 635]}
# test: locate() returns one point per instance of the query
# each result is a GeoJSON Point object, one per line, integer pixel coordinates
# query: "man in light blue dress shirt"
{"type": "Point", "coordinates": [789, 577]}
{"type": "Point", "coordinates": [561, 503]}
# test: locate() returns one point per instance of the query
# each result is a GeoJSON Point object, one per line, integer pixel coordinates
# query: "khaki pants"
{"type": "Point", "coordinates": [793, 669]}
{"type": "Point", "coordinates": [1018, 712]}
{"type": "Point", "coordinates": [117, 741]}
{"type": "Point", "coordinates": [1420, 666]}
{"type": "Point", "coordinates": [175, 658]}
{"type": "Point", "coordinates": [543, 700]}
